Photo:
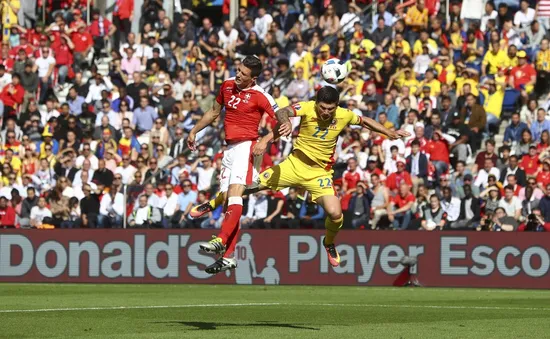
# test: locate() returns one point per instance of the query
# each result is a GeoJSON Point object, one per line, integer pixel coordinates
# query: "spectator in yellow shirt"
{"type": "Point", "coordinates": [446, 70]}
{"type": "Point", "coordinates": [356, 81]}
{"type": "Point", "coordinates": [494, 97]}
{"type": "Point", "coordinates": [494, 59]}
{"type": "Point", "coordinates": [542, 66]}
{"type": "Point", "coordinates": [10, 8]}
{"type": "Point", "coordinates": [399, 42]}
{"type": "Point", "coordinates": [431, 82]}
{"type": "Point", "coordinates": [424, 41]}
{"type": "Point", "coordinates": [417, 20]}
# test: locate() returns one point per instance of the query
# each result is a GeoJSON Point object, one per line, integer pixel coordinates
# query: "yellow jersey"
{"type": "Point", "coordinates": [317, 139]}
{"type": "Point", "coordinates": [418, 45]}
{"type": "Point", "coordinates": [543, 60]}
{"type": "Point", "coordinates": [495, 61]}
{"type": "Point", "coordinates": [493, 102]}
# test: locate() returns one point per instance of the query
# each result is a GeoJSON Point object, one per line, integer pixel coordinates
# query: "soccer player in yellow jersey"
{"type": "Point", "coordinates": [310, 164]}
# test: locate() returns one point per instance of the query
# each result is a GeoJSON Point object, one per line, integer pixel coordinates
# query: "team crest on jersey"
{"type": "Point", "coordinates": [247, 97]}
{"type": "Point", "coordinates": [266, 175]}
{"type": "Point", "coordinates": [229, 88]}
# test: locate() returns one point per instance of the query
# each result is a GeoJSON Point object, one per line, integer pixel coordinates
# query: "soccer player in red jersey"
{"type": "Point", "coordinates": [245, 103]}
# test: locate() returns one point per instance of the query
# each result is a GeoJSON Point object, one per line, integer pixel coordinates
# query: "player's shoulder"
{"type": "Point", "coordinates": [304, 108]}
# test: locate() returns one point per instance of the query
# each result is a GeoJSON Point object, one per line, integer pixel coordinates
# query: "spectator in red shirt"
{"type": "Point", "coordinates": [543, 178]}
{"type": "Point", "coordinates": [101, 30]}
{"type": "Point", "coordinates": [395, 179]}
{"type": "Point", "coordinates": [438, 149]}
{"type": "Point", "coordinates": [351, 177]}
{"type": "Point", "coordinates": [12, 96]}
{"type": "Point", "coordinates": [524, 76]}
{"type": "Point", "coordinates": [399, 210]}
{"type": "Point", "coordinates": [7, 213]}
{"type": "Point", "coordinates": [83, 42]}
{"type": "Point", "coordinates": [530, 162]}
{"type": "Point", "coordinates": [63, 59]}
{"type": "Point", "coordinates": [123, 16]}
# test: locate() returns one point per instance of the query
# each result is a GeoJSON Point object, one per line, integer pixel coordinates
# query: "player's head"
{"type": "Point", "coordinates": [248, 71]}
{"type": "Point", "coordinates": [326, 102]}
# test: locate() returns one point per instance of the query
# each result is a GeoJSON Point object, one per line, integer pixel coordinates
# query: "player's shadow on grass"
{"type": "Point", "coordinates": [207, 325]}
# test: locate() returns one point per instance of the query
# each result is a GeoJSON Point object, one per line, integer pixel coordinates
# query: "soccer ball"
{"type": "Point", "coordinates": [334, 71]}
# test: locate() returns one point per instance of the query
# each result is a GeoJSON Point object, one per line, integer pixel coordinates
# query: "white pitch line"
{"type": "Point", "coordinates": [134, 307]}
{"type": "Point", "coordinates": [449, 307]}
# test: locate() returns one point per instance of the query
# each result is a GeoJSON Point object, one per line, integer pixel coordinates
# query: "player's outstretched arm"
{"type": "Point", "coordinates": [206, 120]}
{"type": "Point", "coordinates": [283, 118]}
{"type": "Point", "coordinates": [375, 126]}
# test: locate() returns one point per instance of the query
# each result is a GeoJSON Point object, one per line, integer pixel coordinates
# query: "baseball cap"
{"type": "Point", "coordinates": [325, 48]}
{"type": "Point", "coordinates": [456, 115]}
{"type": "Point", "coordinates": [468, 177]}
{"type": "Point", "coordinates": [532, 146]}
{"type": "Point", "coordinates": [522, 54]}
{"type": "Point", "coordinates": [77, 12]}
{"type": "Point", "coordinates": [400, 161]}
{"type": "Point", "coordinates": [372, 158]}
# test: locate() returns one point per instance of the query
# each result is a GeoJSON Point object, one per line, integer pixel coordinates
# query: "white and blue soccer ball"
{"type": "Point", "coordinates": [334, 71]}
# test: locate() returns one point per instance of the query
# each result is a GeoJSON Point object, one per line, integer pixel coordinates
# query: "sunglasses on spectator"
{"type": "Point", "coordinates": [125, 159]}
{"type": "Point", "coordinates": [11, 136]}
{"type": "Point", "coordinates": [118, 178]}
{"type": "Point", "coordinates": [144, 147]}
{"type": "Point", "coordinates": [153, 163]}
{"type": "Point", "coordinates": [86, 149]}
{"type": "Point", "coordinates": [158, 122]}
{"type": "Point", "coordinates": [48, 149]}
{"type": "Point", "coordinates": [186, 185]}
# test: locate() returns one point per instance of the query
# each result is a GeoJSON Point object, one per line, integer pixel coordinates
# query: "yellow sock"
{"type": "Point", "coordinates": [217, 201]}
{"type": "Point", "coordinates": [331, 229]}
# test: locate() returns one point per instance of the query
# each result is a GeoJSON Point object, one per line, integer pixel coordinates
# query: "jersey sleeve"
{"type": "Point", "coordinates": [352, 118]}
{"type": "Point", "coordinates": [267, 104]}
{"type": "Point", "coordinates": [301, 108]}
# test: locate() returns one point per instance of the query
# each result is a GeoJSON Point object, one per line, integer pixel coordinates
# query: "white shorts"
{"type": "Point", "coordinates": [239, 166]}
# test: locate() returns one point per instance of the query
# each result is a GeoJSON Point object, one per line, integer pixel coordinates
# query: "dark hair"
{"type": "Point", "coordinates": [490, 142]}
{"type": "Point", "coordinates": [415, 142]}
{"type": "Point", "coordinates": [509, 187]}
{"type": "Point", "coordinates": [254, 64]}
{"type": "Point", "coordinates": [461, 162]}
{"type": "Point", "coordinates": [328, 95]}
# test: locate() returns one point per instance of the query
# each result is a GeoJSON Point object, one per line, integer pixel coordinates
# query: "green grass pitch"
{"type": "Point", "coordinates": [214, 311]}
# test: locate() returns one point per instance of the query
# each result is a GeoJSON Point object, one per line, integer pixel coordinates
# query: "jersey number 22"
{"type": "Point", "coordinates": [233, 102]}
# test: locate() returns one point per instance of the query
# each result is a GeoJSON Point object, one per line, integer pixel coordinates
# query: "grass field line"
{"type": "Point", "coordinates": [107, 308]}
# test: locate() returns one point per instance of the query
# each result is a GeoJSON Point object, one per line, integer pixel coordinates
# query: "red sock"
{"type": "Point", "coordinates": [232, 242]}
{"type": "Point", "coordinates": [232, 218]}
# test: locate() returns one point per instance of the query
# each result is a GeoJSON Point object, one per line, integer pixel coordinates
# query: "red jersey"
{"type": "Point", "coordinates": [124, 8]}
{"type": "Point", "coordinates": [529, 164]}
{"type": "Point", "coordinates": [544, 178]}
{"type": "Point", "coordinates": [63, 55]}
{"type": "Point", "coordinates": [7, 216]}
{"type": "Point", "coordinates": [14, 52]}
{"type": "Point", "coordinates": [82, 41]}
{"type": "Point", "coordinates": [394, 180]}
{"type": "Point", "coordinates": [96, 29]}
{"type": "Point", "coordinates": [12, 95]}
{"type": "Point", "coordinates": [522, 74]}
{"type": "Point", "coordinates": [244, 110]}
{"type": "Point", "coordinates": [352, 178]}
{"type": "Point", "coordinates": [400, 201]}
{"type": "Point", "coordinates": [438, 150]}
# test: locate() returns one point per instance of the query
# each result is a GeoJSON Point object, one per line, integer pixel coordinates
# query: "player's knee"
{"type": "Point", "coordinates": [335, 215]}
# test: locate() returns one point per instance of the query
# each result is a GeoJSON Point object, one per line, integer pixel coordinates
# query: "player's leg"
{"type": "Point", "coordinates": [333, 223]}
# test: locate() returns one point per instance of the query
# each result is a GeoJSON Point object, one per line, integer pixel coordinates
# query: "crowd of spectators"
{"type": "Point", "coordinates": [80, 139]}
